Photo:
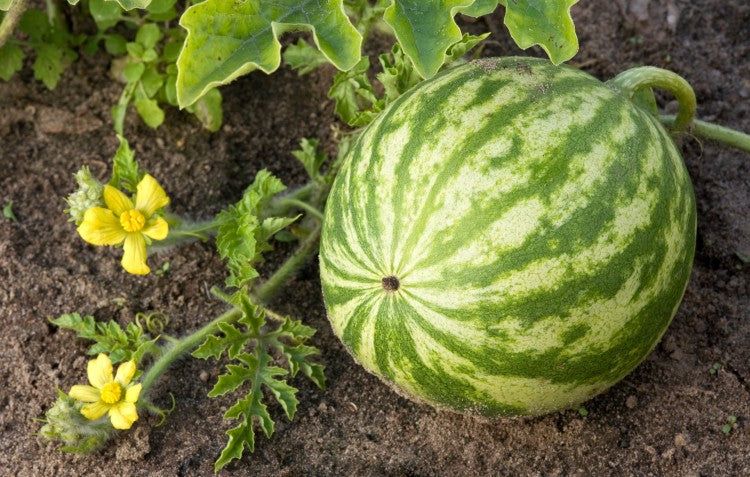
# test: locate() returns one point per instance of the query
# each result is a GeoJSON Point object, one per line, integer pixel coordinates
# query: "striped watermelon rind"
{"type": "Point", "coordinates": [508, 238]}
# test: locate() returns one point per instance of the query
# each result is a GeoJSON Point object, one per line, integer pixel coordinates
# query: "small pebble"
{"type": "Point", "coordinates": [322, 407]}
{"type": "Point", "coordinates": [631, 402]}
{"type": "Point", "coordinates": [679, 440]}
{"type": "Point", "coordinates": [203, 376]}
{"type": "Point", "coordinates": [351, 407]}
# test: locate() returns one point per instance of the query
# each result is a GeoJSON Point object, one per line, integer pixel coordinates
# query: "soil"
{"type": "Point", "coordinates": [663, 419]}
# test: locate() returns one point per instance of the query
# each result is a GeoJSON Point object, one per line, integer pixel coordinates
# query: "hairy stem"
{"type": "Point", "coordinates": [11, 20]}
{"type": "Point", "coordinates": [637, 79]}
{"type": "Point", "coordinates": [307, 249]}
{"type": "Point", "coordinates": [185, 232]}
{"type": "Point", "coordinates": [183, 346]}
{"type": "Point", "coordinates": [714, 132]}
{"type": "Point", "coordinates": [304, 206]}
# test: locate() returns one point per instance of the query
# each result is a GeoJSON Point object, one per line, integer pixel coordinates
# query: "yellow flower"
{"type": "Point", "coordinates": [107, 394]}
{"type": "Point", "coordinates": [123, 222]}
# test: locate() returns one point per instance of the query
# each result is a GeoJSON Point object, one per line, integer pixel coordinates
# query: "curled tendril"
{"type": "Point", "coordinates": [163, 413]}
{"type": "Point", "coordinates": [155, 321]}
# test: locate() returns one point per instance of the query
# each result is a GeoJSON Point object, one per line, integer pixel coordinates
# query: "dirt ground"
{"type": "Point", "coordinates": [663, 419]}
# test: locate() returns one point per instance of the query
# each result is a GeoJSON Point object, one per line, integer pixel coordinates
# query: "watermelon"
{"type": "Point", "coordinates": [508, 238]}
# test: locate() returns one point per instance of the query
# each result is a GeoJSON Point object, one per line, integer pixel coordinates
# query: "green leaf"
{"type": "Point", "coordinates": [356, 102]}
{"type": "Point", "coordinates": [227, 39]}
{"type": "Point", "coordinates": [133, 71]}
{"type": "Point", "coordinates": [134, 49]}
{"type": "Point", "coordinates": [425, 30]}
{"type": "Point", "coordinates": [152, 81]}
{"type": "Point", "coordinates": [132, 4]}
{"type": "Point", "coordinates": [109, 337]}
{"type": "Point", "coordinates": [125, 173]}
{"type": "Point", "coordinates": [398, 75]}
{"type": "Point", "coordinates": [115, 45]}
{"type": "Point", "coordinates": [208, 110]}
{"type": "Point", "coordinates": [310, 157]}
{"type": "Point", "coordinates": [106, 14]}
{"type": "Point", "coordinates": [303, 57]}
{"type": "Point", "coordinates": [35, 24]}
{"type": "Point", "coordinates": [546, 23]}
{"type": "Point", "coordinates": [150, 112]}
{"type": "Point", "coordinates": [457, 50]}
{"type": "Point", "coordinates": [232, 380]}
{"type": "Point", "coordinates": [171, 51]}
{"type": "Point", "coordinates": [8, 212]}
{"type": "Point", "coordinates": [48, 65]}
{"type": "Point", "coordinates": [5, 5]}
{"type": "Point", "coordinates": [11, 60]}
{"type": "Point", "coordinates": [479, 8]}
{"type": "Point", "coordinates": [240, 238]}
{"type": "Point", "coordinates": [148, 35]}
{"type": "Point", "coordinates": [239, 437]}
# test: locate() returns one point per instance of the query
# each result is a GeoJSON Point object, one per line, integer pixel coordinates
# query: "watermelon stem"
{"type": "Point", "coordinates": [307, 249]}
{"type": "Point", "coordinates": [715, 132]}
{"type": "Point", "coordinates": [635, 80]}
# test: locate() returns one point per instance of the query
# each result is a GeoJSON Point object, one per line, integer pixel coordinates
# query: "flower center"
{"type": "Point", "coordinates": [132, 220]}
{"type": "Point", "coordinates": [111, 393]}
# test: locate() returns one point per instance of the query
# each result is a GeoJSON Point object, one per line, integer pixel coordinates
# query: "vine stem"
{"type": "Point", "coordinates": [302, 205]}
{"type": "Point", "coordinates": [11, 20]}
{"type": "Point", "coordinates": [637, 79]}
{"type": "Point", "coordinates": [183, 346]}
{"type": "Point", "coordinates": [714, 132]}
{"type": "Point", "coordinates": [307, 249]}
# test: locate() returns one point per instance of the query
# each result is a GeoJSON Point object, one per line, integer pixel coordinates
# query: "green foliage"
{"type": "Point", "coordinates": [415, 23]}
{"type": "Point", "coordinates": [303, 57]}
{"type": "Point", "coordinates": [109, 338]}
{"type": "Point", "coordinates": [243, 233]}
{"type": "Point", "coordinates": [227, 39]}
{"type": "Point", "coordinates": [546, 23]}
{"type": "Point", "coordinates": [125, 174]}
{"type": "Point", "coordinates": [530, 22]}
{"type": "Point", "coordinates": [249, 346]}
{"type": "Point", "coordinates": [8, 212]}
{"type": "Point", "coordinates": [5, 5]}
{"type": "Point", "coordinates": [356, 101]}
{"type": "Point", "coordinates": [311, 158]}
{"type": "Point", "coordinates": [729, 426]}
{"type": "Point", "coordinates": [11, 60]}
{"type": "Point", "coordinates": [51, 42]}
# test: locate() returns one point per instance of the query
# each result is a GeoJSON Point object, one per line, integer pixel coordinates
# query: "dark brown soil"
{"type": "Point", "coordinates": [664, 419]}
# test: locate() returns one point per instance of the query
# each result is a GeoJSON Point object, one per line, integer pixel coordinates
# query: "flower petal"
{"type": "Point", "coordinates": [123, 415]}
{"type": "Point", "coordinates": [149, 196]}
{"type": "Point", "coordinates": [132, 393]}
{"type": "Point", "coordinates": [116, 201]}
{"type": "Point", "coordinates": [156, 228]}
{"type": "Point", "coordinates": [95, 410]}
{"type": "Point", "coordinates": [125, 373]}
{"type": "Point", "coordinates": [101, 227]}
{"type": "Point", "coordinates": [100, 371]}
{"type": "Point", "coordinates": [84, 393]}
{"type": "Point", "coordinates": [134, 258]}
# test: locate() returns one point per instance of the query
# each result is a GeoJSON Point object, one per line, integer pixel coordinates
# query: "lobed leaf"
{"type": "Point", "coordinates": [125, 172]}
{"type": "Point", "coordinates": [310, 157]}
{"type": "Point", "coordinates": [546, 23]}
{"type": "Point", "coordinates": [109, 338]}
{"type": "Point", "coordinates": [11, 60]}
{"type": "Point", "coordinates": [241, 238]}
{"type": "Point", "coordinates": [425, 30]}
{"type": "Point", "coordinates": [227, 39]}
{"type": "Point", "coordinates": [303, 57]}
